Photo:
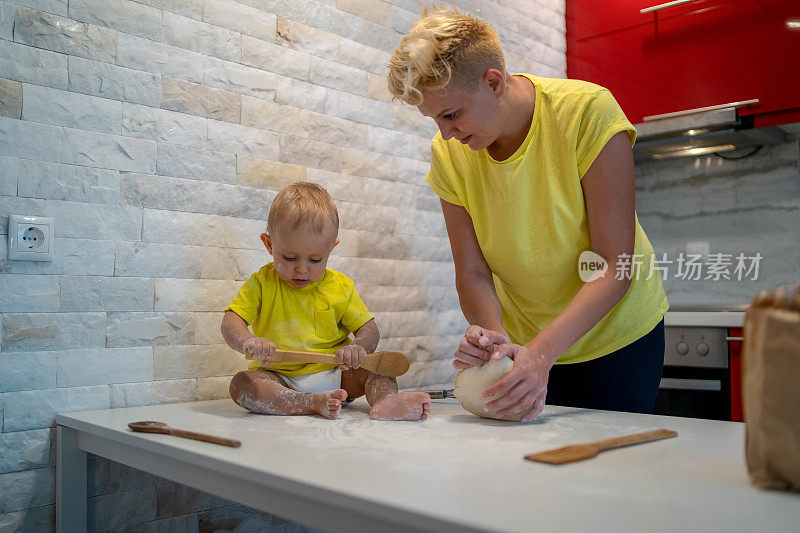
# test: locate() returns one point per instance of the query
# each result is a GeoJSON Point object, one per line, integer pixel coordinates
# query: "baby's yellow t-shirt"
{"type": "Point", "coordinates": [530, 217]}
{"type": "Point", "coordinates": [316, 318]}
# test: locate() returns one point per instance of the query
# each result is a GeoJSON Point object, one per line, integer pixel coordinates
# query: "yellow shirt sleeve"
{"type": "Point", "coordinates": [247, 302]}
{"type": "Point", "coordinates": [438, 177]}
{"type": "Point", "coordinates": [601, 119]}
{"type": "Point", "coordinates": [356, 313]}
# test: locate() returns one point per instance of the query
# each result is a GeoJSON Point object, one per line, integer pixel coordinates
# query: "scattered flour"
{"type": "Point", "coordinates": [450, 436]}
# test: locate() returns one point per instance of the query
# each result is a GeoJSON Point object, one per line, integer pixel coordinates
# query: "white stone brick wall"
{"type": "Point", "coordinates": [156, 133]}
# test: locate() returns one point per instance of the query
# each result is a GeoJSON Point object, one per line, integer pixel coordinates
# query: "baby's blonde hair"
{"type": "Point", "coordinates": [303, 202]}
{"type": "Point", "coordinates": [445, 46]}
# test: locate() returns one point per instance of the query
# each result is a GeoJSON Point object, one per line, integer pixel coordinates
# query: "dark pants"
{"type": "Point", "coordinates": [625, 380]}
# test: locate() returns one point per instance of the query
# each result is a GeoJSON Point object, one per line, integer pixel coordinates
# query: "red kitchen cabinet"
{"type": "Point", "coordinates": [591, 18]}
{"type": "Point", "coordinates": [696, 54]}
{"type": "Point", "coordinates": [735, 362]}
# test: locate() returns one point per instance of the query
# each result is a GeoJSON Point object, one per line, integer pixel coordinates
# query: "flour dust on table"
{"type": "Point", "coordinates": [449, 437]}
{"type": "Point", "coordinates": [471, 382]}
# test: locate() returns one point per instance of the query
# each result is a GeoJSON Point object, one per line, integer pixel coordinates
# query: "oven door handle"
{"type": "Point", "coordinates": [691, 384]}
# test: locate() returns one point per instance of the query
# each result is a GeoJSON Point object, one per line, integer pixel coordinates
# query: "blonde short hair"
{"type": "Point", "coordinates": [444, 46]}
{"type": "Point", "coordinates": [303, 202]}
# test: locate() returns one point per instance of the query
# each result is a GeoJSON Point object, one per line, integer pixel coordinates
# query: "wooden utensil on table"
{"type": "Point", "coordinates": [579, 452]}
{"type": "Point", "coordinates": [390, 364]}
{"type": "Point", "coordinates": [150, 426]}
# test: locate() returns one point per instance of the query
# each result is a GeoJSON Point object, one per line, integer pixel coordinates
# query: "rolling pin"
{"type": "Point", "coordinates": [390, 364]}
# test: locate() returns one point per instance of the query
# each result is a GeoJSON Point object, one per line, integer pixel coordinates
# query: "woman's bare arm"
{"type": "Point", "coordinates": [474, 282]}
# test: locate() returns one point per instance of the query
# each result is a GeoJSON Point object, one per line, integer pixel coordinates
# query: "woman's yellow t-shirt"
{"type": "Point", "coordinates": [531, 222]}
{"type": "Point", "coordinates": [316, 318]}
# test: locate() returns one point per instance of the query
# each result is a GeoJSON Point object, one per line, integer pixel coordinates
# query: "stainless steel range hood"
{"type": "Point", "coordinates": [700, 131]}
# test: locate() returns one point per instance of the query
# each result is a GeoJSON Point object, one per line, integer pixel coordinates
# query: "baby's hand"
{"type": "Point", "coordinates": [259, 348]}
{"type": "Point", "coordinates": [351, 356]}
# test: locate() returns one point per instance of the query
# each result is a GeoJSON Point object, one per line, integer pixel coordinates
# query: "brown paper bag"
{"type": "Point", "coordinates": [771, 388]}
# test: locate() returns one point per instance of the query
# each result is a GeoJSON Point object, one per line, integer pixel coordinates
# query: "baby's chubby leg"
{"type": "Point", "coordinates": [381, 391]}
{"type": "Point", "coordinates": [264, 393]}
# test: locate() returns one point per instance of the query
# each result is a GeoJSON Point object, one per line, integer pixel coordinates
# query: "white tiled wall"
{"type": "Point", "coordinates": [156, 133]}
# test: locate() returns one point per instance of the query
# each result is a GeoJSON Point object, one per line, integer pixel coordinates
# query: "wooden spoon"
{"type": "Point", "coordinates": [150, 426]}
{"type": "Point", "coordinates": [579, 452]}
{"type": "Point", "coordinates": [390, 364]}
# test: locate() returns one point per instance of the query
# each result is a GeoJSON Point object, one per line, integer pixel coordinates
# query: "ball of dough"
{"type": "Point", "coordinates": [471, 382]}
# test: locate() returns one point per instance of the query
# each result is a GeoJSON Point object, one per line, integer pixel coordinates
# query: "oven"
{"type": "Point", "coordinates": [697, 381]}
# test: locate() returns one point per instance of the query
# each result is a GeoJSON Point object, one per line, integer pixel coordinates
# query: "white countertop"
{"type": "Point", "coordinates": [462, 472]}
{"type": "Point", "coordinates": [726, 319]}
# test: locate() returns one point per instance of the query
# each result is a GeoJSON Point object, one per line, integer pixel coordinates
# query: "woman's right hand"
{"type": "Point", "coordinates": [259, 348]}
{"type": "Point", "coordinates": [477, 346]}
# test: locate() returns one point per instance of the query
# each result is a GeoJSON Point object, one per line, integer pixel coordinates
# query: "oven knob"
{"type": "Point", "coordinates": [683, 348]}
{"type": "Point", "coordinates": [702, 349]}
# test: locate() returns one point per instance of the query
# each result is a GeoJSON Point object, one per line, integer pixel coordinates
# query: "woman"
{"type": "Point", "coordinates": [532, 172]}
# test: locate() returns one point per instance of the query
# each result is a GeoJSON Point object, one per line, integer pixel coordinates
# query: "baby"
{"type": "Point", "coordinates": [296, 303]}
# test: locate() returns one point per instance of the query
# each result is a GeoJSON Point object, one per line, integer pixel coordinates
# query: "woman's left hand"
{"type": "Point", "coordinates": [524, 388]}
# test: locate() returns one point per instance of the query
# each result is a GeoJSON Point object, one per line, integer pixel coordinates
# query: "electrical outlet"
{"type": "Point", "coordinates": [30, 238]}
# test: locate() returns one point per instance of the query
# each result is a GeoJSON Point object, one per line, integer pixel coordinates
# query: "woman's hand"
{"type": "Point", "coordinates": [477, 346]}
{"type": "Point", "coordinates": [259, 348]}
{"type": "Point", "coordinates": [351, 356]}
{"type": "Point", "coordinates": [524, 389]}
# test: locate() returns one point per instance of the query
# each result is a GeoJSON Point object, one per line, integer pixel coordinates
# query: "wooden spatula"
{"type": "Point", "coordinates": [151, 426]}
{"type": "Point", "coordinates": [390, 364]}
{"type": "Point", "coordinates": [579, 452]}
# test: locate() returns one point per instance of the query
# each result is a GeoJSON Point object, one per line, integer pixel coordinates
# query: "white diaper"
{"type": "Point", "coordinates": [324, 381]}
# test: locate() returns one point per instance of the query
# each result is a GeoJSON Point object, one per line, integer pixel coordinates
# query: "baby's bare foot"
{"type": "Point", "coordinates": [328, 404]}
{"type": "Point", "coordinates": [402, 406]}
